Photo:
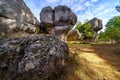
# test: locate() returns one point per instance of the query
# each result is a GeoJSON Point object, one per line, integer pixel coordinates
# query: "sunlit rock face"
{"type": "Point", "coordinates": [58, 21]}
{"type": "Point", "coordinates": [15, 16]}
{"type": "Point", "coordinates": [74, 35]}
{"type": "Point", "coordinates": [32, 57]}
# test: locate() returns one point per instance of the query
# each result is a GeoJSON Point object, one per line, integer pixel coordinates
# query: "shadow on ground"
{"type": "Point", "coordinates": [94, 62]}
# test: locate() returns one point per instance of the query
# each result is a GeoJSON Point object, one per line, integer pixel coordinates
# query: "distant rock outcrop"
{"type": "Point", "coordinates": [32, 57]}
{"type": "Point", "coordinates": [58, 21]}
{"type": "Point", "coordinates": [74, 35]}
{"type": "Point", "coordinates": [96, 25]}
{"type": "Point", "coordinates": [15, 16]}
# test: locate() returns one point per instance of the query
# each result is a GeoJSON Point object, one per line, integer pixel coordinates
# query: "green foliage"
{"type": "Point", "coordinates": [112, 30]}
{"type": "Point", "coordinates": [79, 24]}
{"type": "Point", "coordinates": [103, 36]}
{"type": "Point", "coordinates": [85, 29]}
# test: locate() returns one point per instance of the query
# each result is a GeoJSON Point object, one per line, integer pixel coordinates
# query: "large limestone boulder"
{"type": "Point", "coordinates": [61, 18]}
{"type": "Point", "coordinates": [46, 16]}
{"type": "Point", "coordinates": [32, 57]}
{"type": "Point", "coordinates": [64, 16]}
{"type": "Point", "coordinates": [15, 16]}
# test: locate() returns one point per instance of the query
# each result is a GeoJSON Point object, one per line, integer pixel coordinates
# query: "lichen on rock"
{"type": "Point", "coordinates": [30, 57]}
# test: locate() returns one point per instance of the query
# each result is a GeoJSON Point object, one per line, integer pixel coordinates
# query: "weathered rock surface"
{"type": "Point", "coordinates": [96, 24]}
{"type": "Point", "coordinates": [32, 57]}
{"type": "Point", "coordinates": [15, 16]}
{"type": "Point", "coordinates": [64, 16]}
{"type": "Point", "coordinates": [58, 21]}
{"type": "Point", "coordinates": [46, 16]}
{"type": "Point", "coordinates": [74, 35]}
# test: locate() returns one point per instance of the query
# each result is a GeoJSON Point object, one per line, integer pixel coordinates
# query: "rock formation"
{"type": "Point", "coordinates": [32, 57]}
{"type": "Point", "coordinates": [74, 35]}
{"type": "Point", "coordinates": [46, 16]}
{"type": "Point", "coordinates": [96, 25]}
{"type": "Point", "coordinates": [15, 16]}
{"type": "Point", "coordinates": [58, 21]}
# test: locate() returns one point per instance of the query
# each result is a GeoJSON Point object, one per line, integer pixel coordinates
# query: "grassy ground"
{"type": "Point", "coordinates": [93, 62]}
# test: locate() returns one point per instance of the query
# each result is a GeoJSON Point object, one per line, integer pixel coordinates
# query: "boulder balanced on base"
{"type": "Point", "coordinates": [58, 21]}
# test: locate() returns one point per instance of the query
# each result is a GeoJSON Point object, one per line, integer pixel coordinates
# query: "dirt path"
{"type": "Point", "coordinates": [96, 62]}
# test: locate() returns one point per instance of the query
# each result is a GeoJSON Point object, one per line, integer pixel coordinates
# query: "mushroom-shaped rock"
{"type": "Point", "coordinates": [96, 25]}
{"type": "Point", "coordinates": [61, 18]}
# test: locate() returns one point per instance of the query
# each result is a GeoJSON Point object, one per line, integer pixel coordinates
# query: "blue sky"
{"type": "Point", "coordinates": [84, 9]}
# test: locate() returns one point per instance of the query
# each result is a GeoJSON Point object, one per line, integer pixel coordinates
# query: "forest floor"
{"type": "Point", "coordinates": [94, 62]}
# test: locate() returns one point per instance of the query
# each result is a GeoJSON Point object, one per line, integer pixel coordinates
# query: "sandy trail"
{"type": "Point", "coordinates": [96, 62]}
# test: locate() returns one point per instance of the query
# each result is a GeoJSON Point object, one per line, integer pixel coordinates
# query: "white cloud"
{"type": "Point", "coordinates": [94, 0]}
{"type": "Point", "coordinates": [100, 7]}
{"type": "Point", "coordinates": [77, 8]}
{"type": "Point", "coordinates": [87, 4]}
{"type": "Point", "coordinates": [105, 12]}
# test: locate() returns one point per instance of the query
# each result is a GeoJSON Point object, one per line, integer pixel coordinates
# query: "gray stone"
{"type": "Point", "coordinates": [96, 24]}
{"type": "Point", "coordinates": [32, 57]}
{"type": "Point", "coordinates": [46, 16]}
{"type": "Point", "coordinates": [15, 16]}
{"type": "Point", "coordinates": [58, 21]}
{"type": "Point", "coordinates": [64, 16]}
